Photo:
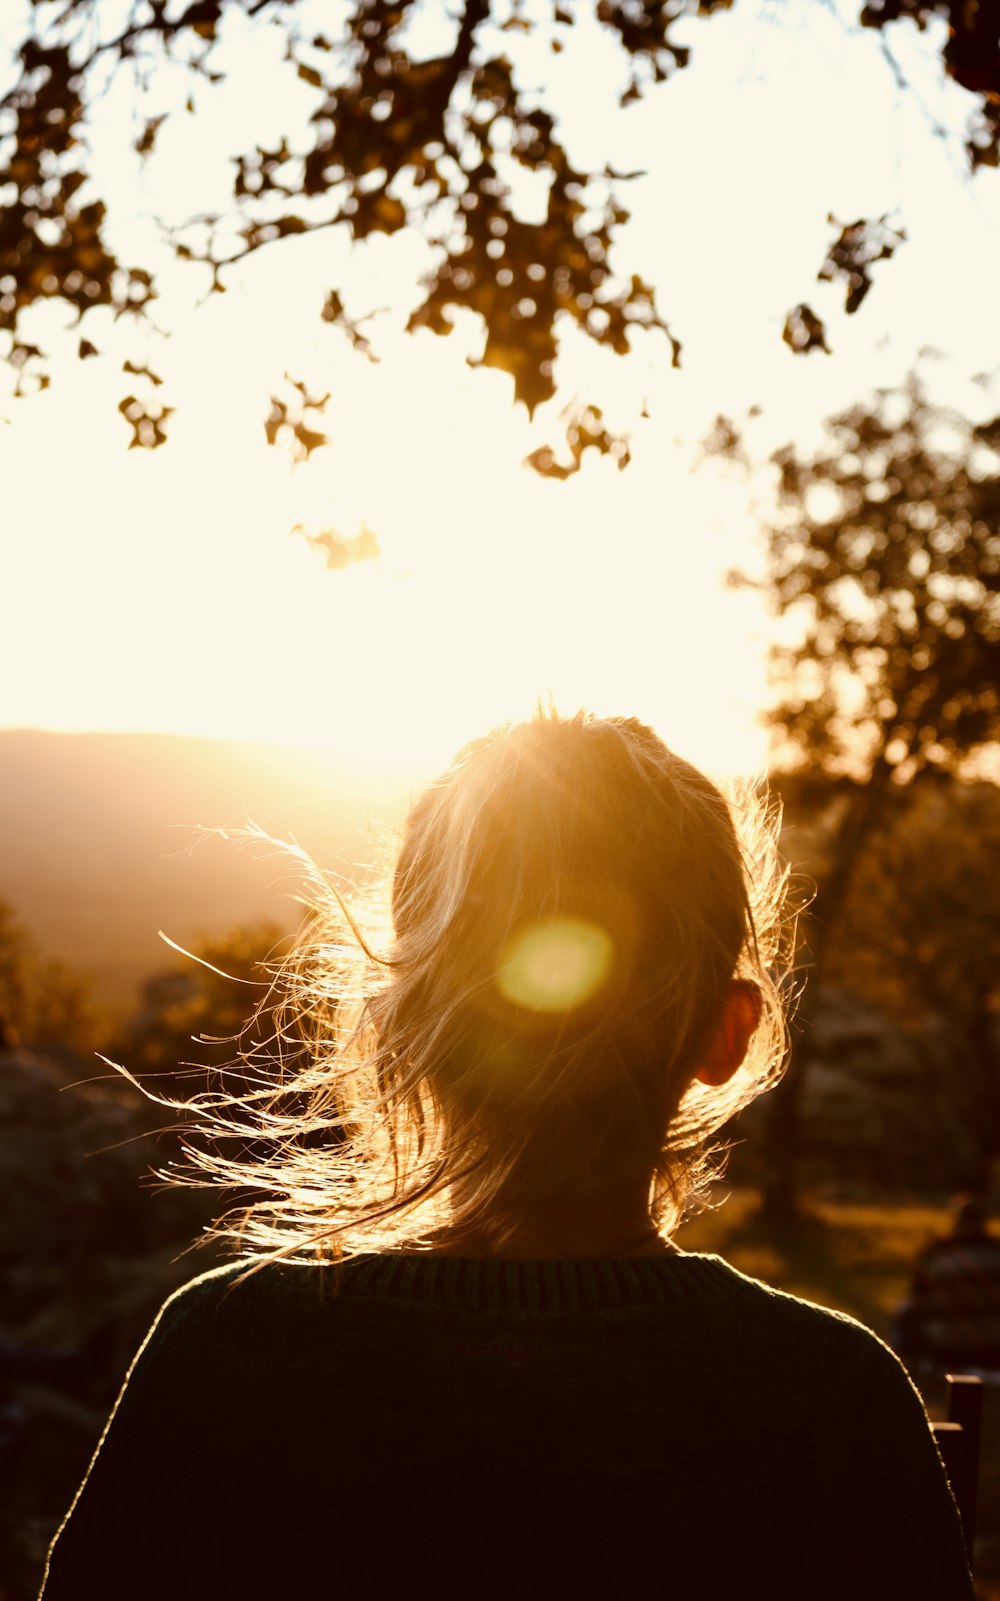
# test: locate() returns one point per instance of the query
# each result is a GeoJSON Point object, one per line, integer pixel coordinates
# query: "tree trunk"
{"type": "Point", "coordinates": [986, 1073]}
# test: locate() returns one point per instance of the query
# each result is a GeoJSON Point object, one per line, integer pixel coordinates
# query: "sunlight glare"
{"type": "Point", "coordinates": [555, 966]}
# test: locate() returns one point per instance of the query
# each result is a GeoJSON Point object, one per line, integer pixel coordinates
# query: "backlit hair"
{"type": "Point", "coordinates": [569, 906]}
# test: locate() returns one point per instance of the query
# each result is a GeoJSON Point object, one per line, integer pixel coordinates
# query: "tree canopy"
{"type": "Point", "coordinates": [418, 120]}
{"type": "Point", "coordinates": [43, 1002]}
{"type": "Point", "coordinates": [883, 560]}
{"type": "Point", "coordinates": [887, 551]}
{"type": "Point", "coordinates": [921, 928]}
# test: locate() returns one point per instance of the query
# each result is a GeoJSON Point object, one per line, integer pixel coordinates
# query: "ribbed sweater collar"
{"type": "Point", "coordinates": [547, 1287]}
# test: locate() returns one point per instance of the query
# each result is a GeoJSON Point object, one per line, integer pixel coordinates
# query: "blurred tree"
{"type": "Point", "coordinates": [192, 1019]}
{"type": "Point", "coordinates": [399, 137]}
{"type": "Point", "coordinates": [44, 1003]}
{"type": "Point", "coordinates": [884, 562]}
{"type": "Point", "coordinates": [920, 932]}
{"type": "Point", "coordinates": [16, 960]}
{"type": "Point", "coordinates": [63, 1012]}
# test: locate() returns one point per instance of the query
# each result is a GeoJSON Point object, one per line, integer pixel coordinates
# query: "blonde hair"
{"type": "Point", "coordinates": [421, 1084]}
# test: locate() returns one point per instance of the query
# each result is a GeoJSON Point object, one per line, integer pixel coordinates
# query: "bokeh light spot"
{"type": "Point", "coordinates": [556, 965]}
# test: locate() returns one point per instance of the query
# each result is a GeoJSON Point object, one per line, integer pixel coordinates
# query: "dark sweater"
{"type": "Point", "coordinates": [660, 1426]}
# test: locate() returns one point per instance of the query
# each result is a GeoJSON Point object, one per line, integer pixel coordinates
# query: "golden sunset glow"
{"type": "Point", "coordinates": [166, 591]}
{"type": "Point", "coordinates": [180, 600]}
{"type": "Point", "coordinates": [499, 673]}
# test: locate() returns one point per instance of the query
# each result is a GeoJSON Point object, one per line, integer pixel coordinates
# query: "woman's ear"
{"type": "Point", "coordinates": [728, 1044]}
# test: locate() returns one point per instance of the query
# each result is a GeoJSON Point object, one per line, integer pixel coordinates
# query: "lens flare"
{"type": "Point", "coordinates": [556, 965]}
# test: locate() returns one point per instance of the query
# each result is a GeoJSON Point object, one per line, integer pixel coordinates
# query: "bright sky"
{"type": "Point", "coordinates": [164, 590]}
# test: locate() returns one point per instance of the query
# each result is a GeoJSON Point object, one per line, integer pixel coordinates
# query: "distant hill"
{"type": "Point", "coordinates": [98, 852]}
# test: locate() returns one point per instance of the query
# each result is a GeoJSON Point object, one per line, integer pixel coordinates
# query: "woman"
{"type": "Point", "coordinates": [460, 1351]}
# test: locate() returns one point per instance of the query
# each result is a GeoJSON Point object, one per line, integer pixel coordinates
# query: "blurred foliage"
{"type": "Point", "coordinates": [886, 554]}
{"type": "Point", "coordinates": [395, 140]}
{"type": "Point", "coordinates": [883, 561]}
{"type": "Point", "coordinates": [854, 252]}
{"type": "Point", "coordinates": [804, 331]}
{"type": "Point", "coordinates": [44, 1003]}
{"type": "Point", "coordinates": [585, 430]}
{"type": "Point", "coordinates": [295, 419]}
{"type": "Point", "coordinates": [850, 258]}
{"type": "Point", "coordinates": [921, 924]}
{"type": "Point", "coordinates": [854, 1256]}
{"type": "Point", "coordinates": [917, 935]}
{"type": "Point", "coordinates": [196, 1017]}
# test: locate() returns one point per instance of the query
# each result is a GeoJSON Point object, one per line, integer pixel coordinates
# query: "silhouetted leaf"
{"type": "Point", "coordinates": [803, 331]}
{"type": "Point", "coordinates": [295, 417]}
{"type": "Point", "coordinates": [333, 312]}
{"type": "Point", "coordinates": [585, 430]}
{"type": "Point", "coordinates": [147, 425]}
{"type": "Point", "coordinates": [983, 144]}
{"type": "Point", "coordinates": [858, 246]}
{"type": "Point", "coordinates": [142, 372]}
{"type": "Point", "coordinates": [147, 139]}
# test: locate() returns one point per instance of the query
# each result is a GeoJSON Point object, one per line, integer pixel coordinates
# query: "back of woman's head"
{"type": "Point", "coordinates": [570, 906]}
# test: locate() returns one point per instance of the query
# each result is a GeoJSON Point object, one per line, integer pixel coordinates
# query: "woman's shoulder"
{"type": "Point", "coordinates": [244, 1289]}
{"type": "Point", "coordinates": [776, 1324]}
{"type": "Point", "coordinates": [761, 1300]}
{"type": "Point", "coordinates": [227, 1304]}
{"type": "Point", "coordinates": [226, 1330]}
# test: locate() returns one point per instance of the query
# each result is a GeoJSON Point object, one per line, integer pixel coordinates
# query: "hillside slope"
{"type": "Point", "coordinates": [99, 842]}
